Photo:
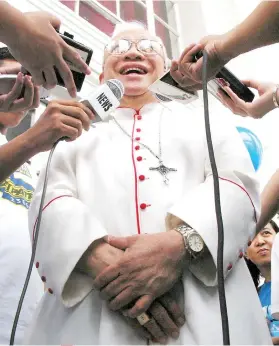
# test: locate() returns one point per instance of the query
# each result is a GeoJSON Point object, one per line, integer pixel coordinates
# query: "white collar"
{"type": "Point", "coordinates": [126, 113]}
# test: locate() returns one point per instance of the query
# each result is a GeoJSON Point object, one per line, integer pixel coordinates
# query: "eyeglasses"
{"type": "Point", "coordinates": [145, 46]}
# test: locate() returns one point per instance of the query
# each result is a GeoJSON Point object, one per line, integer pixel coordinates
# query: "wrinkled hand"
{"type": "Point", "coordinates": [166, 318]}
{"type": "Point", "coordinates": [150, 266]}
{"type": "Point", "coordinates": [258, 107]}
{"type": "Point", "coordinates": [188, 72]}
{"type": "Point", "coordinates": [13, 100]}
{"type": "Point", "coordinates": [39, 49]}
{"type": "Point", "coordinates": [165, 314]}
{"type": "Point", "coordinates": [60, 119]}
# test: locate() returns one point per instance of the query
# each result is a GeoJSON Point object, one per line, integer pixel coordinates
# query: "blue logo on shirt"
{"type": "Point", "coordinates": [265, 298]}
{"type": "Point", "coordinates": [16, 191]}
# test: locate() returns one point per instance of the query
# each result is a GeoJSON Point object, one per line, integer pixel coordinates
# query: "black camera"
{"type": "Point", "coordinates": [84, 52]}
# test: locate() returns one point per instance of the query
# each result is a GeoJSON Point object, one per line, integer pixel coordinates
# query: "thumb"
{"type": "Point", "coordinates": [54, 21]}
{"type": "Point", "coordinates": [44, 16]}
{"type": "Point", "coordinates": [121, 243]}
{"type": "Point", "coordinates": [174, 66]}
{"type": "Point", "coordinates": [251, 83]}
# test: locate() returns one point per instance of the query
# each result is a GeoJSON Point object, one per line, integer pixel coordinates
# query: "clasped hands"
{"type": "Point", "coordinates": [141, 279]}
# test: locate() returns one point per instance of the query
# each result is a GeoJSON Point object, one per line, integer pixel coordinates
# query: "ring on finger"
{"type": "Point", "coordinates": [143, 318]}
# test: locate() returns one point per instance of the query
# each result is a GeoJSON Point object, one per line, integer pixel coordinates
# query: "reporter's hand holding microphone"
{"type": "Point", "coordinates": [61, 119]}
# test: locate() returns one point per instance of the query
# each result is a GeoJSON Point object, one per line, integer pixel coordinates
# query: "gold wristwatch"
{"type": "Point", "coordinates": [193, 242]}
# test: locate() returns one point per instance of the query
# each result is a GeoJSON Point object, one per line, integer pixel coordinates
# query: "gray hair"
{"type": "Point", "coordinates": [125, 26]}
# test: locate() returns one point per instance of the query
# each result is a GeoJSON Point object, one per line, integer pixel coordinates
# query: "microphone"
{"type": "Point", "coordinates": [104, 100]}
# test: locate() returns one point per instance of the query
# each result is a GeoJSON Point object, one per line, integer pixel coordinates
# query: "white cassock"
{"type": "Point", "coordinates": [99, 184]}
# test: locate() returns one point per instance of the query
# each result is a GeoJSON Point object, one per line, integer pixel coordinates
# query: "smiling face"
{"type": "Point", "coordinates": [136, 70]}
{"type": "Point", "coordinates": [259, 252]}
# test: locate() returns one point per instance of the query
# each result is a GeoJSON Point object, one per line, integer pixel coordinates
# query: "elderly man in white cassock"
{"type": "Point", "coordinates": [116, 272]}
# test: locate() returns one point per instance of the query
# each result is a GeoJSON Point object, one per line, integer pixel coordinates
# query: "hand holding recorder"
{"type": "Point", "coordinates": [34, 42]}
{"type": "Point", "coordinates": [268, 97]}
{"type": "Point", "coordinates": [188, 73]}
{"type": "Point", "coordinates": [17, 93]}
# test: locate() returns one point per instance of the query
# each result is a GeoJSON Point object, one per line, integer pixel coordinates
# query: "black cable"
{"type": "Point", "coordinates": [34, 247]}
{"type": "Point", "coordinates": [220, 250]}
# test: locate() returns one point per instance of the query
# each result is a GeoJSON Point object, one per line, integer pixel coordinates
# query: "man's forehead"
{"type": "Point", "coordinates": [135, 34]}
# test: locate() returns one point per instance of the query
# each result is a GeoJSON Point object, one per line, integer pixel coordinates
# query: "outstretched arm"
{"type": "Point", "coordinates": [269, 201]}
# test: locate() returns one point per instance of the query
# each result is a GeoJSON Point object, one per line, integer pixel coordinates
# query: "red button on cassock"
{"type": "Point", "coordinates": [37, 265]}
{"type": "Point", "coordinates": [138, 130]}
{"type": "Point", "coordinates": [137, 138]}
{"type": "Point", "coordinates": [137, 147]}
{"type": "Point", "coordinates": [50, 291]}
{"type": "Point", "coordinates": [141, 177]}
{"type": "Point", "coordinates": [229, 267]}
{"type": "Point", "coordinates": [139, 117]}
{"type": "Point", "coordinates": [240, 254]}
{"type": "Point", "coordinates": [143, 206]}
{"type": "Point", "coordinates": [139, 158]}
{"type": "Point", "coordinates": [43, 278]}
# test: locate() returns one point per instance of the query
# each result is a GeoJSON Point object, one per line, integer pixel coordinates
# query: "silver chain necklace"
{"type": "Point", "coordinates": [162, 169]}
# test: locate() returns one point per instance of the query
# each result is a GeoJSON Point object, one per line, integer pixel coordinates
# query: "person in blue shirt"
{"type": "Point", "coordinates": [258, 258]}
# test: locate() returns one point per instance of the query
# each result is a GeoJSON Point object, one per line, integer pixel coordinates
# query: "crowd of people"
{"type": "Point", "coordinates": [127, 249]}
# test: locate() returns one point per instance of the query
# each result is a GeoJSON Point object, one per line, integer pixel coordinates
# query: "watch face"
{"type": "Point", "coordinates": [195, 242]}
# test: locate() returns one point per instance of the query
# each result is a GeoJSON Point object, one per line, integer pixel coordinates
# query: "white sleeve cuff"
{"type": "Point", "coordinates": [197, 209]}
{"type": "Point", "coordinates": [68, 228]}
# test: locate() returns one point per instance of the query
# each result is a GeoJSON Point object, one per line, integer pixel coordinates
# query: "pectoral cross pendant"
{"type": "Point", "coordinates": [162, 169]}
